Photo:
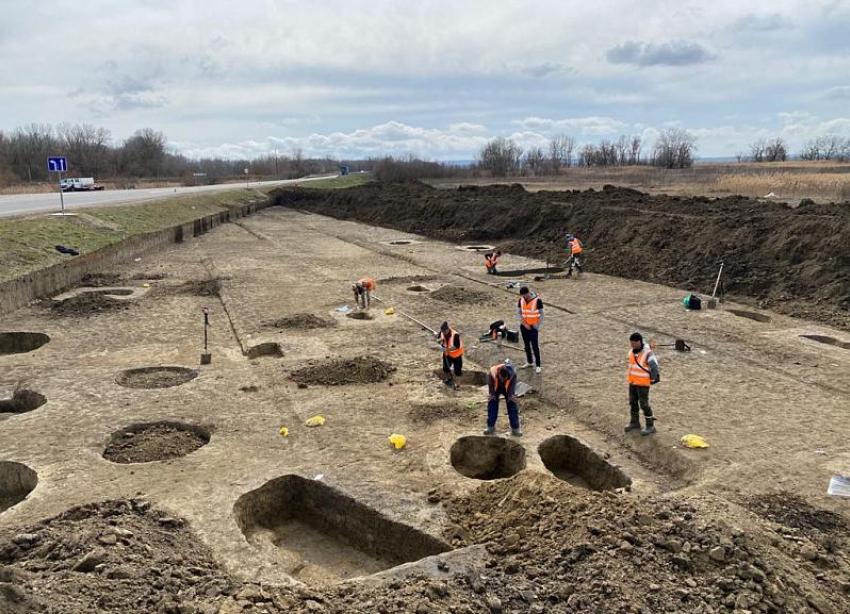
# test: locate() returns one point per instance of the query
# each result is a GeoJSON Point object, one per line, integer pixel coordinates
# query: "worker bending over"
{"type": "Point", "coordinates": [491, 259]}
{"type": "Point", "coordinates": [452, 354]}
{"type": "Point", "coordinates": [363, 292]}
{"type": "Point", "coordinates": [643, 372]}
{"type": "Point", "coordinates": [575, 249]}
{"type": "Point", "coordinates": [530, 312]}
{"type": "Point", "coordinates": [501, 381]}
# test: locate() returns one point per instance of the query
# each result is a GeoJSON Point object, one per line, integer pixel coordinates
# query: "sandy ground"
{"type": "Point", "coordinates": [773, 406]}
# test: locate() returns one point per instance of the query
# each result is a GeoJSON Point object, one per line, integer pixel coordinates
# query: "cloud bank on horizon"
{"type": "Point", "coordinates": [435, 79]}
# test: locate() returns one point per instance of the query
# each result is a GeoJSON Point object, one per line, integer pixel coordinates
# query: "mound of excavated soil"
{"type": "Point", "coordinates": [302, 321]}
{"type": "Point", "coordinates": [360, 370]}
{"type": "Point", "coordinates": [457, 295]}
{"type": "Point", "coordinates": [428, 413]}
{"type": "Point", "coordinates": [408, 279]}
{"type": "Point", "coordinates": [147, 443]}
{"type": "Point", "coordinates": [194, 287]}
{"type": "Point", "coordinates": [794, 512]}
{"type": "Point", "coordinates": [86, 305]}
{"type": "Point", "coordinates": [101, 279]}
{"type": "Point", "coordinates": [792, 260]}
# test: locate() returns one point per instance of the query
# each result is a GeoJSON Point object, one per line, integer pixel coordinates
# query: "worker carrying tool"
{"type": "Point", "coordinates": [530, 312]}
{"type": "Point", "coordinates": [501, 381]}
{"type": "Point", "coordinates": [452, 354]}
{"type": "Point", "coordinates": [643, 373]}
{"type": "Point", "coordinates": [491, 259]}
{"type": "Point", "coordinates": [363, 292]}
{"type": "Point", "coordinates": [575, 249]}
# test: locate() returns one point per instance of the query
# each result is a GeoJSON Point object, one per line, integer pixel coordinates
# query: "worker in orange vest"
{"type": "Point", "coordinates": [452, 354]}
{"type": "Point", "coordinates": [530, 312]}
{"type": "Point", "coordinates": [501, 381]}
{"type": "Point", "coordinates": [491, 259]}
{"type": "Point", "coordinates": [363, 292]}
{"type": "Point", "coordinates": [574, 261]}
{"type": "Point", "coordinates": [643, 373]}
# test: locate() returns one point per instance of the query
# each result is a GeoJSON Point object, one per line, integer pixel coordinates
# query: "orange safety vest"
{"type": "Point", "coordinates": [491, 261]}
{"type": "Point", "coordinates": [494, 375]}
{"type": "Point", "coordinates": [575, 246]}
{"type": "Point", "coordinates": [639, 367]}
{"type": "Point", "coordinates": [530, 312]}
{"type": "Point", "coordinates": [367, 283]}
{"type": "Point", "coordinates": [449, 348]}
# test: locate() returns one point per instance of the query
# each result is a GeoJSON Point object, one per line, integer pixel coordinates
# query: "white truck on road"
{"type": "Point", "coordinates": [79, 184]}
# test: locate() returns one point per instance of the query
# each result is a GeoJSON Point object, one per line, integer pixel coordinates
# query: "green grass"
{"type": "Point", "coordinates": [28, 244]}
{"type": "Point", "coordinates": [349, 181]}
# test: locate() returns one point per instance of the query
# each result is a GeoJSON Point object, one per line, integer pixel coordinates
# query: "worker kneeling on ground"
{"type": "Point", "coordinates": [501, 381]}
{"type": "Point", "coordinates": [363, 292]}
{"type": "Point", "coordinates": [575, 248]}
{"type": "Point", "coordinates": [452, 354]}
{"type": "Point", "coordinates": [491, 259]}
{"type": "Point", "coordinates": [643, 372]}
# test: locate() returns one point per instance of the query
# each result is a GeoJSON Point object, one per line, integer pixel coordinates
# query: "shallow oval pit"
{"type": "Point", "coordinates": [150, 442]}
{"type": "Point", "coordinates": [417, 288]}
{"type": "Point", "coordinates": [319, 535]}
{"type": "Point", "coordinates": [269, 348]}
{"type": "Point", "coordinates": [470, 377]}
{"type": "Point", "coordinates": [844, 345]}
{"type": "Point", "coordinates": [360, 315]}
{"type": "Point", "coordinates": [113, 291]}
{"type": "Point", "coordinates": [21, 402]}
{"type": "Point", "coordinates": [155, 377]}
{"type": "Point", "coordinates": [552, 270]}
{"type": "Point", "coordinates": [750, 315]}
{"type": "Point", "coordinates": [478, 248]}
{"type": "Point", "coordinates": [487, 458]}
{"type": "Point", "coordinates": [17, 481]}
{"type": "Point", "coordinates": [401, 242]}
{"type": "Point", "coordinates": [21, 342]}
{"type": "Point", "coordinates": [572, 461]}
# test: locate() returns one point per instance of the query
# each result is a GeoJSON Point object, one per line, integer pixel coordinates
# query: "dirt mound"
{"type": "Point", "coordinates": [156, 441]}
{"type": "Point", "coordinates": [111, 557]}
{"type": "Point", "coordinates": [360, 370]}
{"type": "Point", "coordinates": [194, 287]}
{"type": "Point", "coordinates": [155, 377]}
{"type": "Point", "coordinates": [360, 315]}
{"type": "Point", "coordinates": [408, 279]}
{"type": "Point", "coordinates": [458, 295]}
{"type": "Point", "coordinates": [428, 413]}
{"type": "Point", "coordinates": [792, 260]}
{"type": "Point", "coordinates": [98, 280]}
{"type": "Point", "coordinates": [302, 321]}
{"type": "Point", "coordinates": [86, 305]}
{"type": "Point", "coordinates": [793, 511]}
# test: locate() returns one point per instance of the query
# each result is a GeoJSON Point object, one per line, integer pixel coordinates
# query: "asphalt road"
{"type": "Point", "coordinates": [24, 204]}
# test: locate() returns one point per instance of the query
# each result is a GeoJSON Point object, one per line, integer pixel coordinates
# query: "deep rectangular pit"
{"type": "Point", "coordinates": [319, 535]}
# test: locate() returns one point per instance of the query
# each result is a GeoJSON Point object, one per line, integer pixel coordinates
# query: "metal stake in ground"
{"type": "Point", "coordinates": [712, 302]}
{"type": "Point", "coordinates": [206, 357]}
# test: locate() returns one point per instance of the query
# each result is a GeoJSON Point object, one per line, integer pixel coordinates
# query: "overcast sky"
{"type": "Point", "coordinates": [431, 78]}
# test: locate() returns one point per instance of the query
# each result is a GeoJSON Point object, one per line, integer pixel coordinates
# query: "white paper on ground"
{"type": "Point", "coordinates": [839, 486]}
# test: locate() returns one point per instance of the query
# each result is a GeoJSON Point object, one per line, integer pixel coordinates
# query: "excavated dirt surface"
{"type": "Point", "coordinates": [791, 259]}
{"type": "Point", "coordinates": [155, 377]}
{"type": "Point", "coordinates": [154, 442]}
{"type": "Point", "coordinates": [86, 305]}
{"type": "Point", "coordinates": [97, 280]}
{"type": "Point", "coordinates": [360, 315]}
{"type": "Point", "coordinates": [195, 287]}
{"type": "Point", "coordinates": [457, 295]}
{"type": "Point", "coordinates": [360, 370]}
{"type": "Point", "coordinates": [302, 321]}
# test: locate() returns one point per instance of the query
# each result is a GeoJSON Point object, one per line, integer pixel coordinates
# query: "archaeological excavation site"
{"type": "Point", "coordinates": [211, 425]}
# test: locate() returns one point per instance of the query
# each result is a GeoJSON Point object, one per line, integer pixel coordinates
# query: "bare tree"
{"type": "Point", "coordinates": [757, 150]}
{"type": "Point", "coordinates": [561, 149]}
{"type": "Point", "coordinates": [535, 161]}
{"type": "Point", "coordinates": [776, 150]}
{"type": "Point", "coordinates": [674, 148]}
{"type": "Point", "coordinates": [501, 157]}
{"type": "Point", "coordinates": [634, 150]}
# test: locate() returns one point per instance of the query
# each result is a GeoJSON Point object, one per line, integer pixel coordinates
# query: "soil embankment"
{"type": "Point", "coordinates": [793, 260]}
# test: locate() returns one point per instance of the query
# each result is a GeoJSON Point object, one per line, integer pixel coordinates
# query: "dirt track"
{"type": "Point", "coordinates": [791, 260]}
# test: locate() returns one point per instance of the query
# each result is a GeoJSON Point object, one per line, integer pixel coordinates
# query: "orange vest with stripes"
{"type": "Point", "coordinates": [639, 367]}
{"type": "Point", "coordinates": [449, 348]}
{"type": "Point", "coordinates": [530, 312]}
{"type": "Point", "coordinates": [367, 283]}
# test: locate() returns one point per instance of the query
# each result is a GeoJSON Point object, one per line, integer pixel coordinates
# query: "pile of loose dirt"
{"type": "Point", "coordinates": [86, 305]}
{"type": "Point", "coordinates": [794, 512]}
{"type": "Point", "coordinates": [111, 557]}
{"type": "Point", "coordinates": [154, 442]}
{"type": "Point", "coordinates": [428, 413]}
{"type": "Point", "coordinates": [98, 280]}
{"type": "Point", "coordinates": [360, 370]}
{"type": "Point", "coordinates": [790, 259]}
{"type": "Point", "coordinates": [155, 377]}
{"type": "Point", "coordinates": [458, 295]}
{"type": "Point", "coordinates": [302, 321]}
{"type": "Point", "coordinates": [408, 279]}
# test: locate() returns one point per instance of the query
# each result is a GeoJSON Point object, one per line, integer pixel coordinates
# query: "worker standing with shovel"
{"type": "Point", "coordinates": [574, 261]}
{"type": "Point", "coordinates": [363, 292]}
{"type": "Point", "coordinates": [452, 354]}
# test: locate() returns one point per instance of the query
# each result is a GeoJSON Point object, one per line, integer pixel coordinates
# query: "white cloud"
{"type": "Point", "coordinates": [840, 92]}
{"type": "Point", "coordinates": [673, 53]}
{"type": "Point", "coordinates": [580, 125]}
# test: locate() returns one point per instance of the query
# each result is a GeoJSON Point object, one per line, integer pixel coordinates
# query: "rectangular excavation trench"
{"type": "Point", "coordinates": [320, 536]}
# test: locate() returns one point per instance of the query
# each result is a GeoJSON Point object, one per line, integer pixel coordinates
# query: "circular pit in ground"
{"type": "Point", "coordinates": [572, 461]}
{"type": "Point", "coordinates": [21, 343]}
{"type": "Point", "coordinates": [417, 288]}
{"type": "Point", "coordinates": [487, 458]}
{"type": "Point", "coordinates": [469, 377]}
{"type": "Point", "coordinates": [155, 377]}
{"type": "Point", "coordinates": [21, 402]}
{"type": "Point", "coordinates": [360, 315]}
{"type": "Point", "coordinates": [16, 482]}
{"type": "Point", "coordinates": [155, 441]}
{"type": "Point", "coordinates": [750, 315]}
{"type": "Point", "coordinates": [400, 242]}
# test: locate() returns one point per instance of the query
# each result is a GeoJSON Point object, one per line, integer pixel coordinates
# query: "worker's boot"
{"type": "Point", "coordinates": [489, 431]}
{"type": "Point", "coordinates": [649, 429]}
{"type": "Point", "coordinates": [634, 424]}
{"type": "Point", "coordinates": [516, 432]}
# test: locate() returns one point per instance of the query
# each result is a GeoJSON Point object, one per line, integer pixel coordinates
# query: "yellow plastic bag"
{"type": "Point", "coordinates": [284, 432]}
{"type": "Point", "coordinates": [389, 311]}
{"type": "Point", "coordinates": [146, 285]}
{"type": "Point", "coordinates": [694, 441]}
{"type": "Point", "coordinates": [398, 441]}
{"type": "Point", "coordinates": [316, 421]}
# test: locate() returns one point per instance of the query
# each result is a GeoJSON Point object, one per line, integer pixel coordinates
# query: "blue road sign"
{"type": "Point", "coordinates": [57, 163]}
